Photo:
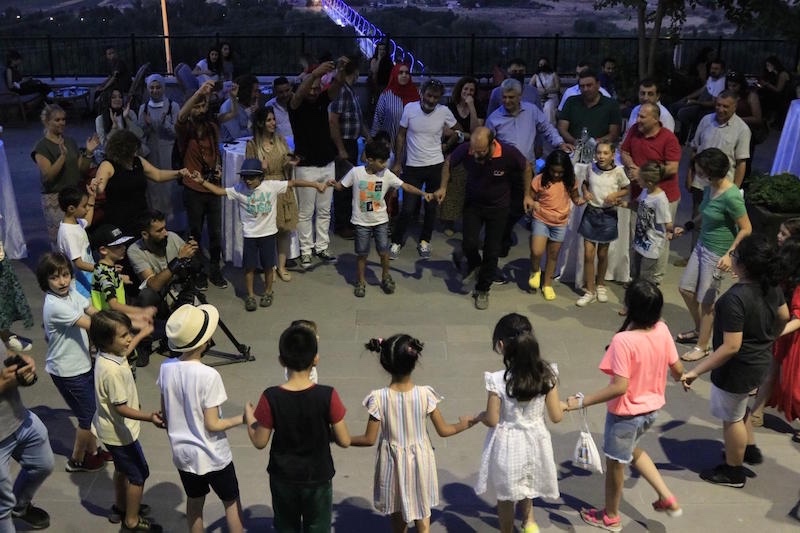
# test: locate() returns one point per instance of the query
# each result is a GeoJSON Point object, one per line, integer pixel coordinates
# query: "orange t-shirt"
{"type": "Point", "coordinates": [554, 201]}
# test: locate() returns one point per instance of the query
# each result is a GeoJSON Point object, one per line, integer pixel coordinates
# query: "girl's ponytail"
{"type": "Point", "coordinates": [374, 345]}
{"type": "Point", "coordinates": [399, 353]}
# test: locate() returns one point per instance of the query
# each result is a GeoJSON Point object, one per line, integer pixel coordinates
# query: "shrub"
{"type": "Point", "coordinates": [779, 193]}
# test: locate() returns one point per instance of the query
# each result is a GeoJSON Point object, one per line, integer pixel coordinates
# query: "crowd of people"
{"type": "Point", "coordinates": [476, 169]}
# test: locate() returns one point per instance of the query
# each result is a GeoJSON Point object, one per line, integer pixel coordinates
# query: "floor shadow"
{"type": "Point", "coordinates": [357, 514]}
{"type": "Point", "coordinates": [59, 427]}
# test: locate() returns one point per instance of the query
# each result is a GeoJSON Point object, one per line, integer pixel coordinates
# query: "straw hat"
{"type": "Point", "coordinates": [191, 326]}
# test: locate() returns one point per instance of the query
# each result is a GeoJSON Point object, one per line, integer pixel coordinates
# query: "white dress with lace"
{"type": "Point", "coordinates": [517, 459]}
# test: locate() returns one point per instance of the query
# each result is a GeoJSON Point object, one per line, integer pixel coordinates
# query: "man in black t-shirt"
{"type": "Point", "coordinates": [308, 114]}
{"type": "Point", "coordinates": [491, 168]}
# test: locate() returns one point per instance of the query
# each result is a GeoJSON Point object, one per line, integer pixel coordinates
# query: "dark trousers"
{"type": "Point", "coordinates": [205, 208]}
{"type": "Point", "coordinates": [430, 177]}
{"type": "Point", "coordinates": [343, 200]}
{"type": "Point", "coordinates": [493, 220]}
{"type": "Point", "coordinates": [515, 212]}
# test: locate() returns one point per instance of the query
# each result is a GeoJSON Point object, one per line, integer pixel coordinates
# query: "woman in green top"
{"type": "Point", "coordinates": [60, 163]}
{"type": "Point", "coordinates": [724, 223]}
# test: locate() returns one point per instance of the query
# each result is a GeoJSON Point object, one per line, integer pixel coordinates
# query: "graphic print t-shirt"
{"type": "Point", "coordinates": [369, 191]}
{"type": "Point", "coordinates": [257, 207]}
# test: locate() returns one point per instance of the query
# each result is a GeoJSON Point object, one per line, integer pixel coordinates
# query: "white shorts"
{"type": "Point", "coordinates": [728, 406]}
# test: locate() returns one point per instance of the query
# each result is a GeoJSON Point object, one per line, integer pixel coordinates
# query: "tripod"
{"type": "Point", "coordinates": [242, 354]}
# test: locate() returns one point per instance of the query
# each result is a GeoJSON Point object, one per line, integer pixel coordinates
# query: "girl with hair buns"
{"type": "Point", "coordinates": [517, 459]}
{"type": "Point", "coordinates": [406, 484]}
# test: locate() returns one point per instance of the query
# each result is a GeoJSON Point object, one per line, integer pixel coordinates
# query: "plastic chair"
{"type": "Point", "coordinates": [186, 79]}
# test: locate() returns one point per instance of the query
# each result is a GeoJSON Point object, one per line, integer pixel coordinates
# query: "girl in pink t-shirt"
{"type": "Point", "coordinates": [637, 361]}
{"type": "Point", "coordinates": [553, 192]}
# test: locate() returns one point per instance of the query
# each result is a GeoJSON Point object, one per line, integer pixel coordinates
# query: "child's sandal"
{"type": "Point", "coordinates": [669, 506]}
{"type": "Point", "coordinates": [599, 518]}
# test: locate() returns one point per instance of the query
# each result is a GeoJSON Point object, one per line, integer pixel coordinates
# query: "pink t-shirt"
{"type": "Point", "coordinates": [643, 357]}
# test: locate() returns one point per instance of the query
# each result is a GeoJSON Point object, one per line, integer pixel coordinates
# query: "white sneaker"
{"type": "Point", "coordinates": [602, 294]}
{"type": "Point", "coordinates": [394, 251]}
{"type": "Point", "coordinates": [586, 299]}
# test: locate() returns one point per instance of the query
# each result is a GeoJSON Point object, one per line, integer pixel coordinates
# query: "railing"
{"type": "Point", "coordinates": [451, 55]}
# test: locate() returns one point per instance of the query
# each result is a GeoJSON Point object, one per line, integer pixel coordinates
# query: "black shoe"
{"type": "Point", "coordinates": [326, 257]}
{"type": "Point", "coordinates": [498, 278]}
{"type": "Point", "coordinates": [218, 280]}
{"type": "Point", "coordinates": [34, 517]}
{"type": "Point", "coordinates": [724, 474]}
{"type": "Point", "coordinates": [143, 359]}
{"type": "Point", "coordinates": [142, 525]}
{"type": "Point", "coordinates": [116, 515]}
{"type": "Point", "coordinates": [752, 455]}
{"type": "Point", "coordinates": [201, 283]}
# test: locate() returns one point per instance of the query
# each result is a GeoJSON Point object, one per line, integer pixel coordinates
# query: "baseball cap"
{"type": "Point", "coordinates": [108, 235]}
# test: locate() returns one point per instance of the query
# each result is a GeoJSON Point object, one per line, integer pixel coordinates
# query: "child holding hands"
{"type": "Point", "coordinates": [406, 484]}
{"type": "Point", "coordinates": [637, 361]}
{"type": "Point", "coordinates": [517, 459]}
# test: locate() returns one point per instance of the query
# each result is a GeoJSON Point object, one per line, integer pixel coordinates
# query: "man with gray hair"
{"type": "Point", "coordinates": [518, 123]}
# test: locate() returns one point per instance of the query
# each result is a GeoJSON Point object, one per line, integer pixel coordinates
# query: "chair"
{"type": "Point", "coordinates": [11, 100]}
{"type": "Point", "coordinates": [136, 92]}
{"type": "Point", "coordinates": [186, 80]}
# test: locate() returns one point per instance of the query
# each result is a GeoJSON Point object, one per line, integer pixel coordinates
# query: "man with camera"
{"type": "Point", "coordinates": [24, 438]}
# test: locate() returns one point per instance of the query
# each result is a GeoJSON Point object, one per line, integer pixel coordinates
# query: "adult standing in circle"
{"type": "Point", "coordinates": [723, 224]}
{"type": "Point", "coordinates": [401, 90]}
{"type": "Point", "coordinates": [60, 164]}
{"type": "Point", "coordinates": [157, 118]}
{"type": "Point", "coordinates": [270, 147]}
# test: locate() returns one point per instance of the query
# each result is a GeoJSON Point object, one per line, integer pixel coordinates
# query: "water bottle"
{"type": "Point", "coordinates": [716, 280]}
{"type": "Point", "coordinates": [584, 147]}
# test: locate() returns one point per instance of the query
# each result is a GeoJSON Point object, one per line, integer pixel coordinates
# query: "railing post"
{"type": "Point", "coordinates": [472, 55]}
{"type": "Point", "coordinates": [555, 51]}
{"type": "Point", "coordinates": [719, 46]}
{"type": "Point", "coordinates": [303, 43]}
{"type": "Point", "coordinates": [50, 57]}
{"type": "Point", "coordinates": [796, 58]}
{"type": "Point", "coordinates": [133, 50]}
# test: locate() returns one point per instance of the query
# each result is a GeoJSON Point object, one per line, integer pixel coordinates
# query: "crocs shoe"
{"type": "Point", "coordinates": [531, 527]}
{"type": "Point", "coordinates": [548, 293]}
{"type": "Point", "coordinates": [388, 285]}
{"type": "Point", "coordinates": [599, 518]}
{"type": "Point", "coordinates": [535, 280]}
{"type": "Point", "coordinates": [360, 290]}
{"type": "Point", "coordinates": [266, 300]}
{"type": "Point", "coordinates": [250, 304]}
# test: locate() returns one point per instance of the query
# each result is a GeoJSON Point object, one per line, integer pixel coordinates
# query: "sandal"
{"type": "Point", "coordinates": [669, 506]}
{"type": "Point", "coordinates": [599, 518]}
{"type": "Point", "coordinates": [284, 275]}
{"type": "Point", "coordinates": [695, 354]}
{"type": "Point", "coordinates": [687, 337]}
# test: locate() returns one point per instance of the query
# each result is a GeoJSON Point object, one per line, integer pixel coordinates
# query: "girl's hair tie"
{"type": "Point", "coordinates": [414, 347]}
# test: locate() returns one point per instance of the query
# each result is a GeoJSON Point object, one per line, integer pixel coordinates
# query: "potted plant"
{"type": "Point", "coordinates": [770, 200]}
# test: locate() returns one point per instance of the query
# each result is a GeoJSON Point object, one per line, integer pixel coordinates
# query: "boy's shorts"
{"type": "Point", "coordinates": [727, 406]}
{"type": "Point", "coordinates": [224, 483]}
{"type": "Point", "coordinates": [622, 434]}
{"type": "Point", "coordinates": [258, 249]}
{"type": "Point", "coordinates": [363, 235]}
{"type": "Point", "coordinates": [311, 504]}
{"type": "Point", "coordinates": [78, 392]}
{"type": "Point", "coordinates": [129, 460]}
{"type": "Point", "coordinates": [553, 233]}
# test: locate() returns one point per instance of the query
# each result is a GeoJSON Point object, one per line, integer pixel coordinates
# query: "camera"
{"type": "Point", "coordinates": [20, 362]}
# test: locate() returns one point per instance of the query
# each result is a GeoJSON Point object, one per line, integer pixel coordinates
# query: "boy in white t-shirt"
{"type": "Point", "coordinates": [78, 207]}
{"type": "Point", "coordinates": [653, 223]}
{"type": "Point", "coordinates": [191, 396]}
{"type": "Point", "coordinates": [257, 200]}
{"type": "Point", "coordinates": [370, 218]}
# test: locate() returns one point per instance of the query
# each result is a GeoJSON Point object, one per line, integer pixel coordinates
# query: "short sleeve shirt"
{"type": "Point", "coordinates": [744, 308]}
{"type": "Point", "coordinates": [489, 184]}
{"type": "Point", "coordinates": [74, 243]}
{"type": "Point", "coordinates": [114, 385]}
{"type": "Point", "coordinates": [652, 216]}
{"type": "Point", "coordinates": [106, 286]}
{"type": "Point", "coordinates": [257, 206]}
{"type": "Point", "coordinates": [733, 138]}
{"type": "Point", "coordinates": [67, 343]}
{"type": "Point", "coordinates": [143, 259]}
{"type": "Point", "coordinates": [369, 191]}
{"type": "Point", "coordinates": [424, 135]}
{"type": "Point", "coordinates": [312, 134]}
{"type": "Point", "coordinates": [601, 183]}
{"type": "Point", "coordinates": [719, 229]}
{"type": "Point", "coordinates": [662, 148]}
{"type": "Point", "coordinates": [70, 174]}
{"type": "Point", "coordinates": [554, 200]}
{"type": "Point", "coordinates": [595, 119]}
{"type": "Point", "coordinates": [643, 358]}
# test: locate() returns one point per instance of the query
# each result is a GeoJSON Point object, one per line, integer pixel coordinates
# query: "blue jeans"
{"type": "Point", "coordinates": [30, 447]}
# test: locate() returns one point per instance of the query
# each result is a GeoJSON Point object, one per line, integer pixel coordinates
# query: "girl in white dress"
{"type": "Point", "coordinates": [406, 485]}
{"type": "Point", "coordinates": [517, 458]}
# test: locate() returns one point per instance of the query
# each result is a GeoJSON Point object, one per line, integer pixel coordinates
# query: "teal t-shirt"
{"type": "Point", "coordinates": [596, 119]}
{"type": "Point", "coordinates": [719, 218]}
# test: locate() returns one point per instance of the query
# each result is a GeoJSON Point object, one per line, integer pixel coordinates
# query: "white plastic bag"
{"type": "Point", "coordinates": [586, 455]}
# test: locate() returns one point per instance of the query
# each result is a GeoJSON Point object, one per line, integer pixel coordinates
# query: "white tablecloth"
{"type": "Point", "coordinates": [787, 157]}
{"type": "Point", "coordinates": [569, 268]}
{"type": "Point", "coordinates": [10, 228]}
{"type": "Point", "coordinates": [232, 238]}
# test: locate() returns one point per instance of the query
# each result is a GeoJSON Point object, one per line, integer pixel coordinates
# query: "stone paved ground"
{"type": "Point", "coordinates": [457, 352]}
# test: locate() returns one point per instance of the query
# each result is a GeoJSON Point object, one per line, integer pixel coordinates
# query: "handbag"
{"type": "Point", "coordinates": [286, 211]}
{"type": "Point", "coordinates": [586, 455]}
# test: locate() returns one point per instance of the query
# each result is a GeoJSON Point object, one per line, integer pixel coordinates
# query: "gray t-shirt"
{"type": "Point", "coordinates": [12, 412]}
{"type": "Point", "coordinates": [143, 259]}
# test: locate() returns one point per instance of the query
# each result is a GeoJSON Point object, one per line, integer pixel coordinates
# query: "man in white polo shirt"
{"type": "Point", "coordinates": [418, 152]}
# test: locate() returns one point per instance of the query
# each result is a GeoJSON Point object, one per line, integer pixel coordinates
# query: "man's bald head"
{"type": "Point", "coordinates": [480, 143]}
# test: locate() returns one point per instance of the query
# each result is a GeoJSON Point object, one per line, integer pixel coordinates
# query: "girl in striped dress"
{"type": "Point", "coordinates": [406, 485]}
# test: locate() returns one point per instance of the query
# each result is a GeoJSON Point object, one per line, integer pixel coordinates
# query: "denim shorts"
{"type": "Point", "coordinates": [78, 392]}
{"type": "Point", "coordinates": [129, 460]}
{"type": "Point", "coordinates": [698, 277]}
{"type": "Point", "coordinates": [553, 233]}
{"type": "Point", "coordinates": [224, 483]}
{"type": "Point", "coordinates": [622, 434]}
{"type": "Point", "coordinates": [363, 234]}
{"type": "Point", "coordinates": [727, 406]}
{"type": "Point", "coordinates": [258, 249]}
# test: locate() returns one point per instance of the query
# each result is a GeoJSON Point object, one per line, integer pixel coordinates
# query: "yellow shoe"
{"type": "Point", "coordinates": [531, 527]}
{"type": "Point", "coordinates": [548, 293]}
{"type": "Point", "coordinates": [535, 280]}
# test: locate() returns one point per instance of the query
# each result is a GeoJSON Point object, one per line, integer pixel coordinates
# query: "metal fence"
{"type": "Point", "coordinates": [443, 55]}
